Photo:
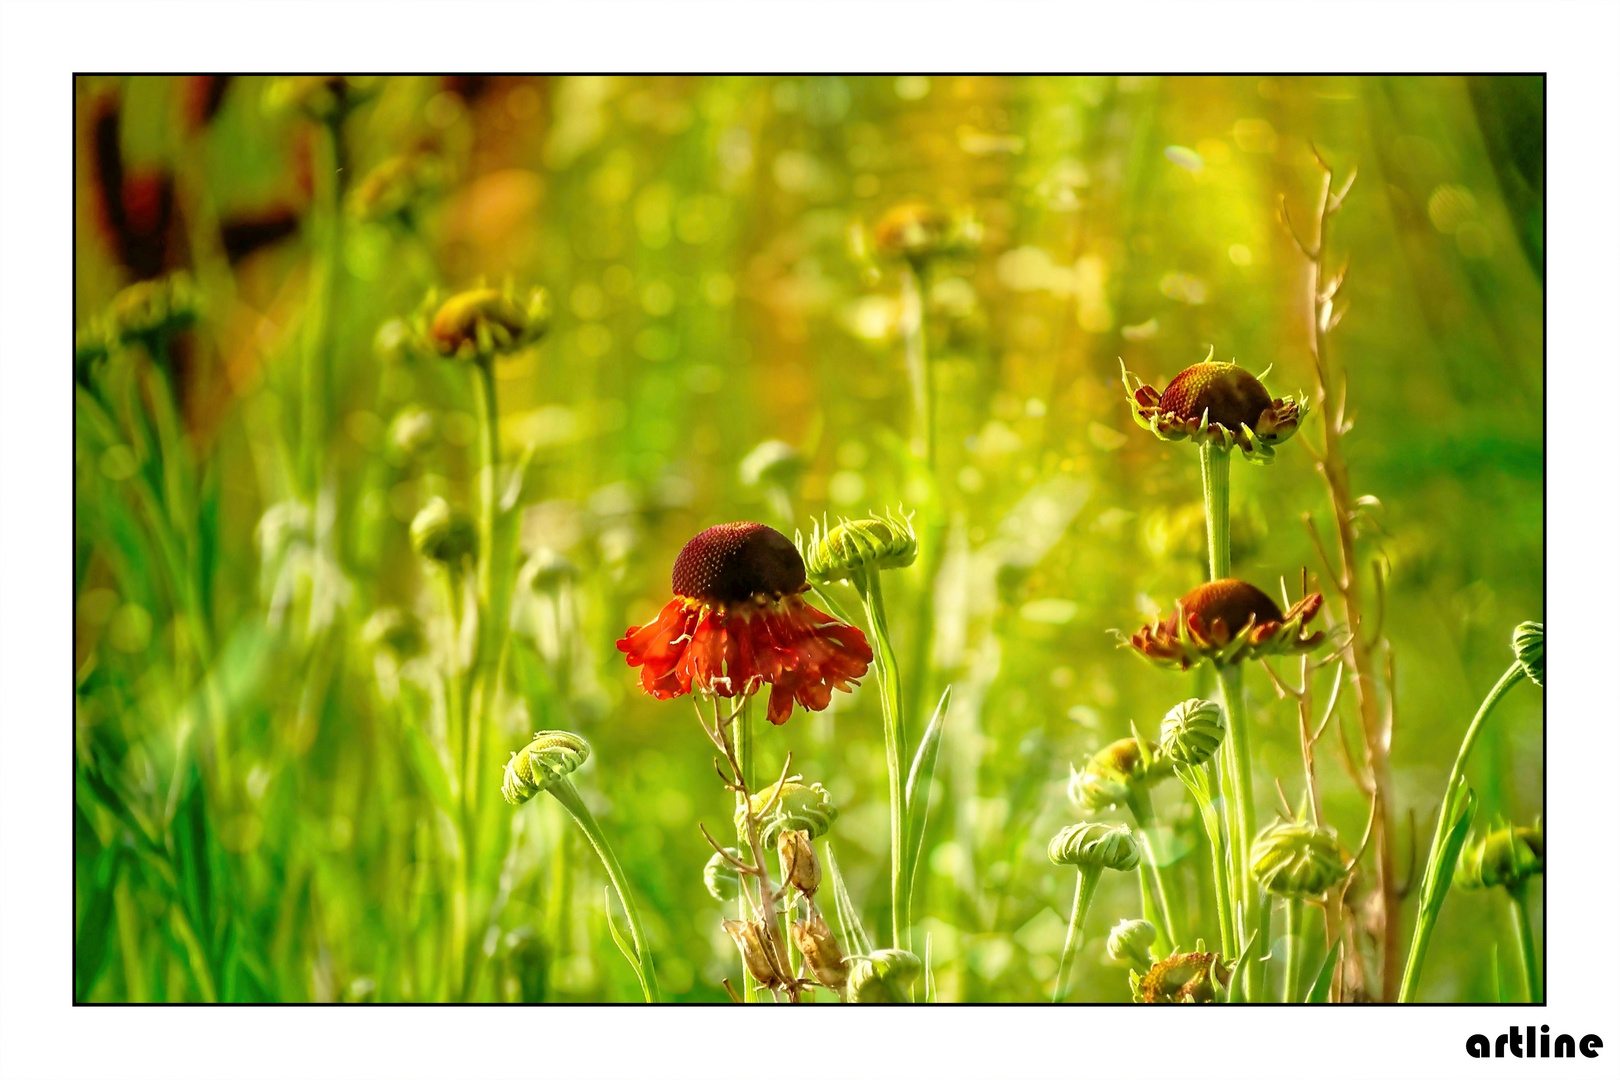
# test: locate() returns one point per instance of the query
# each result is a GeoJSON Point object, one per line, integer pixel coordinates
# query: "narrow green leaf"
{"type": "Point", "coordinates": [921, 780]}
{"type": "Point", "coordinates": [625, 947]}
{"type": "Point", "coordinates": [1324, 978]}
{"type": "Point", "coordinates": [430, 770]}
{"type": "Point", "coordinates": [90, 939]}
{"type": "Point", "coordinates": [849, 920]}
{"type": "Point", "coordinates": [1234, 988]}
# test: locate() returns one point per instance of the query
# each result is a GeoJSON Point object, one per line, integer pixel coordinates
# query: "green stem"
{"type": "Point", "coordinates": [1294, 927]}
{"type": "Point", "coordinates": [564, 792]}
{"type": "Point", "coordinates": [1141, 805]}
{"type": "Point", "coordinates": [1084, 891]}
{"type": "Point", "coordinates": [745, 759]}
{"type": "Point", "coordinates": [1253, 915]}
{"type": "Point", "coordinates": [1200, 784]}
{"type": "Point", "coordinates": [894, 748]}
{"type": "Point", "coordinates": [1437, 879]}
{"type": "Point", "coordinates": [1216, 466]}
{"type": "Point", "coordinates": [1528, 963]}
{"type": "Point", "coordinates": [916, 337]}
{"type": "Point", "coordinates": [313, 376]}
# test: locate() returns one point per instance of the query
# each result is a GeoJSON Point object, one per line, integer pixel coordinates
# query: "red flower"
{"type": "Point", "coordinates": [738, 620]}
{"type": "Point", "coordinates": [1225, 622]}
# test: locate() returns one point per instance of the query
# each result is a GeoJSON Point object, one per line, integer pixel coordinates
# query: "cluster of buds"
{"type": "Point", "coordinates": [1118, 773]}
{"type": "Point", "coordinates": [551, 756]}
{"type": "Point", "coordinates": [1226, 622]}
{"type": "Point", "coordinates": [444, 535]}
{"type": "Point", "coordinates": [851, 550]}
{"type": "Point", "coordinates": [1507, 856]}
{"type": "Point", "coordinates": [481, 324]}
{"type": "Point", "coordinates": [1298, 861]}
{"type": "Point", "coordinates": [1192, 732]}
{"type": "Point", "coordinates": [1189, 978]}
{"type": "Point", "coordinates": [1218, 404]}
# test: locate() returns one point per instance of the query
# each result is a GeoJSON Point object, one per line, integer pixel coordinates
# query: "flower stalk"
{"type": "Point", "coordinates": [1456, 813]}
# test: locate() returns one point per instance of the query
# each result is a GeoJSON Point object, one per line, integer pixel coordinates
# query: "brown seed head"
{"type": "Point", "coordinates": [1232, 396]}
{"type": "Point", "coordinates": [821, 950]}
{"type": "Point", "coordinates": [799, 866]}
{"type": "Point", "coordinates": [1232, 601]}
{"type": "Point", "coordinates": [727, 564]}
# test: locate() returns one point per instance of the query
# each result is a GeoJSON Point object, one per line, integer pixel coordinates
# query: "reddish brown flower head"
{"type": "Point", "coordinates": [1225, 622]}
{"type": "Point", "coordinates": [1217, 403]}
{"type": "Point", "coordinates": [739, 620]}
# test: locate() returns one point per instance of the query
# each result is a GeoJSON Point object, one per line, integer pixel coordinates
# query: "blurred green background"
{"type": "Point", "coordinates": [696, 237]}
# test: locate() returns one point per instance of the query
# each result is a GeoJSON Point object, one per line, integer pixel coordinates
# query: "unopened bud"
{"type": "Point", "coordinates": [883, 977]}
{"type": "Point", "coordinates": [720, 876]}
{"type": "Point", "coordinates": [852, 548]}
{"type": "Point", "coordinates": [1530, 647]}
{"type": "Point", "coordinates": [551, 756]}
{"type": "Point", "coordinates": [821, 950]}
{"type": "Point", "coordinates": [442, 534]}
{"type": "Point", "coordinates": [799, 866]}
{"type": "Point", "coordinates": [772, 462]}
{"type": "Point", "coordinates": [1297, 860]}
{"type": "Point", "coordinates": [806, 807]}
{"type": "Point", "coordinates": [1129, 942]}
{"type": "Point", "coordinates": [1192, 732]}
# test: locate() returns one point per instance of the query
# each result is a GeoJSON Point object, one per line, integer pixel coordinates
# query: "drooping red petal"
{"type": "Point", "coordinates": [659, 649]}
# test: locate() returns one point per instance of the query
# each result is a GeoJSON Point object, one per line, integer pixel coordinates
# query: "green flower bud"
{"type": "Point", "coordinates": [392, 629]}
{"type": "Point", "coordinates": [549, 570]}
{"type": "Point", "coordinates": [1189, 978]}
{"type": "Point", "coordinates": [550, 757]}
{"type": "Point", "coordinates": [1298, 861]}
{"type": "Point", "coordinates": [442, 534]}
{"type": "Point", "coordinates": [852, 548]}
{"type": "Point", "coordinates": [1530, 646]}
{"type": "Point", "coordinates": [1091, 845]}
{"type": "Point", "coordinates": [411, 433]}
{"type": "Point", "coordinates": [1506, 856]}
{"type": "Point", "coordinates": [394, 189]}
{"type": "Point", "coordinates": [917, 233]}
{"type": "Point", "coordinates": [884, 977]}
{"type": "Point", "coordinates": [325, 98]}
{"type": "Point", "coordinates": [1112, 772]}
{"type": "Point", "coordinates": [804, 807]}
{"type": "Point", "coordinates": [772, 462]}
{"type": "Point", "coordinates": [721, 878]}
{"type": "Point", "coordinates": [1192, 731]}
{"type": "Point", "coordinates": [1129, 942]}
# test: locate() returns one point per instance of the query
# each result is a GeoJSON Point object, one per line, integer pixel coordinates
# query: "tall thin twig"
{"type": "Point", "coordinates": [1377, 721]}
